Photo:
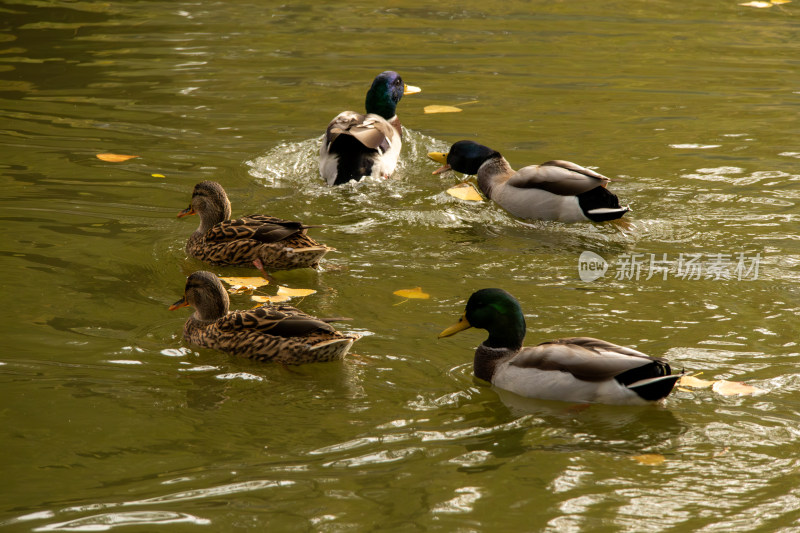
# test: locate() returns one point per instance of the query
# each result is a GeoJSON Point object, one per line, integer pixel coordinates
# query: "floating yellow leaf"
{"type": "Point", "coordinates": [241, 289]}
{"type": "Point", "coordinates": [696, 383]}
{"type": "Point", "coordinates": [416, 292]}
{"type": "Point", "coordinates": [442, 109]}
{"type": "Point", "coordinates": [250, 281]}
{"type": "Point", "coordinates": [734, 388]}
{"type": "Point", "coordinates": [465, 191]}
{"type": "Point", "coordinates": [115, 158]}
{"type": "Point", "coordinates": [158, 175]}
{"type": "Point", "coordinates": [778, 2]}
{"type": "Point", "coordinates": [244, 285]}
{"type": "Point", "coordinates": [650, 459]}
{"type": "Point", "coordinates": [269, 299]}
{"type": "Point", "coordinates": [293, 293]}
{"type": "Point", "coordinates": [284, 294]}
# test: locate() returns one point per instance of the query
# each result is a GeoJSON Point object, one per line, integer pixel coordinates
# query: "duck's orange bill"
{"type": "Point", "coordinates": [186, 212]}
{"type": "Point", "coordinates": [177, 305]}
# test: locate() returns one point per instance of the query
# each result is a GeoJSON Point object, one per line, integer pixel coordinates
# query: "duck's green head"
{"type": "Point", "coordinates": [496, 311]}
{"type": "Point", "coordinates": [464, 156]}
{"type": "Point", "coordinates": [386, 91]}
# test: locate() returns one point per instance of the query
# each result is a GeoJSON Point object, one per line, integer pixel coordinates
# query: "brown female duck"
{"type": "Point", "coordinates": [276, 243]}
{"type": "Point", "coordinates": [279, 333]}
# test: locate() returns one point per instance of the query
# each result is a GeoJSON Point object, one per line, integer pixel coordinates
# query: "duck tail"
{"type": "Point", "coordinates": [653, 389]}
{"type": "Point", "coordinates": [651, 381]}
{"type": "Point", "coordinates": [354, 160]}
{"type": "Point", "coordinates": [600, 205]}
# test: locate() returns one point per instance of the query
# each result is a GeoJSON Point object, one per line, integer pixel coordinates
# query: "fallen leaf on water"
{"type": "Point", "coordinates": [284, 294]}
{"type": "Point", "coordinates": [269, 299]}
{"type": "Point", "coordinates": [244, 285]}
{"type": "Point", "coordinates": [241, 289]}
{"type": "Point", "coordinates": [465, 191]}
{"type": "Point", "coordinates": [757, 4]}
{"type": "Point", "coordinates": [416, 292]}
{"type": "Point", "coordinates": [442, 109]}
{"type": "Point", "coordinates": [158, 175]}
{"type": "Point", "coordinates": [734, 388]}
{"type": "Point", "coordinates": [650, 459]}
{"type": "Point", "coordinates": [725, 388]}
{"type": "Point", "coordinates": [292, 293]}
{"type": "Point", "coordinates": [115, 158]}
{"type": "Point", "coordinates": [778, 2]}
{"type": "Point", "coordinates": [696, 383]}
{"type": "Point", "coordinates": [723, 451]}
{"type": "Point", "coordinates": [255, 281]}
{"type": "Point", "coordinates": [623, 224]}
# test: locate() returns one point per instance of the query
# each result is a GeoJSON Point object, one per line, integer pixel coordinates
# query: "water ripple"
{"type": "Point", "coordinates": [106, 521]}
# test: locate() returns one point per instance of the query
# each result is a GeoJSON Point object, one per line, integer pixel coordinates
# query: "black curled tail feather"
{"type": "Point", "coordinates": [651, 382]}
{"type": "Point", "coordinates": [653, 369]}
{"type": "Point", "coordinates": [654, 389]}
{"type": "Point", "coordinates": [599, 205]}
{"type": "Point", "coordinates": [354, 159]}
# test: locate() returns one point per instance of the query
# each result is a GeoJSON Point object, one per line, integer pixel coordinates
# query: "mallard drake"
{"type": "Point", "coordinates": [268, 242]}
{"type": "Point", "coordinates": [357, 145]}
{"type": "Point", "coordinates": [555, 190]}
{"type": "Point", "coordinates": [576, 369]}
{"type": "Point", "coordinates": [279, 333]}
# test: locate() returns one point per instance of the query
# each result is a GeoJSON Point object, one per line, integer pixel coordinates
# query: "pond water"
{"type": "Point", "coordinates": [110, 419]}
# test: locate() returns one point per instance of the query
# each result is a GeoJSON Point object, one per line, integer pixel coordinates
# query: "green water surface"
{"type": "Point", "coordinates": [109, 419]}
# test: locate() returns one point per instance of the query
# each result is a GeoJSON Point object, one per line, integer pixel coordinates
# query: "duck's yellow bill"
{"type": "Point", "coordinates": [461, 325]}
{"type": "Point", "coordinates": [410, 89]}
{"type": "Point", "coordinates": [186, 212]}
{"type": "Point", "coordinates": [439, 157]}
{"type": "Point", "coordinates": [177, 305]}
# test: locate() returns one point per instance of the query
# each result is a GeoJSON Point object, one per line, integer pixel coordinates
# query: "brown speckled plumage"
{"type": "Point", "coordinates": [279, 244]}
{"type": "Point", "coordinates": [280, 333]}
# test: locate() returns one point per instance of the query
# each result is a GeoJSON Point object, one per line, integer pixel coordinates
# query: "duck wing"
{"type": "Point", "coordinates": [586, 358]}
{"type": "Point", "coordinates": [278, 321]}
{"type": "Point", "coordinates": [558, 177]}
{"type": "Point", "coordinates": [372, 131]}
{"type": "Point", "coordinates": [260, 228]}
